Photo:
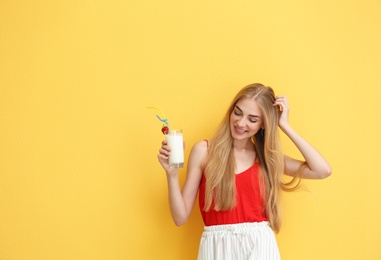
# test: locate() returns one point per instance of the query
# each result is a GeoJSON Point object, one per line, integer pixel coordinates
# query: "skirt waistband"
{"type": "Point", "coordinates": [237, 227]}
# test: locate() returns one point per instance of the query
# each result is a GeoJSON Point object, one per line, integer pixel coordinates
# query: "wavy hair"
{"type": "Point", "coordinates": [220, 189]}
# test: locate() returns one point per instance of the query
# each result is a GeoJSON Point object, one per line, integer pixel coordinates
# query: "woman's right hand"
{"type": "Point", "coordinates": [163, 157]}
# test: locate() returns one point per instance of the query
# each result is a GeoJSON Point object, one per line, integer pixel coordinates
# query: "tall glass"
{"type": "Point", "coordinates": [175, 141]}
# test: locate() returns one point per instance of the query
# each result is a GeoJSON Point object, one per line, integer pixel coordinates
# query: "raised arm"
{"type": "Point", "coordinates": [314, 166]}
{"type": "Point", "coordinates": [181, 201]}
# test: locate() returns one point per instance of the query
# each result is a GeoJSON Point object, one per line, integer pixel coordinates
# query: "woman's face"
{"type": "Point", "coordinates": [246, 119]}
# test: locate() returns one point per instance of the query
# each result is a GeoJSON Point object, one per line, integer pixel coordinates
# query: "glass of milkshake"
{"type": "Point", "coordinates": [175, 141]}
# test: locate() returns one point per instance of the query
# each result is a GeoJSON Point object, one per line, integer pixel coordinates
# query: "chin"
{"type": "Point", "coordinates": [240, 136]}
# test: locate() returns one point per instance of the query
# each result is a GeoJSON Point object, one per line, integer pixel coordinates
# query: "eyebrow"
{"type": "Point", "coordinates": [242, 111]}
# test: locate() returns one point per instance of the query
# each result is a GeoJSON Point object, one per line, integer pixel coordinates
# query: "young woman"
{"type": "Point", "coordinates": [238, 175]}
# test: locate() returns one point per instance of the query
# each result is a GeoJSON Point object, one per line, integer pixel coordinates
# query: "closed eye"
{"type": "Point", "coordinates": [237, 113]}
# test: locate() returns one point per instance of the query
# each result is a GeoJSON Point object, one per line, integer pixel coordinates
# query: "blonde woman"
{"type": "Point", "coordinates": [238, 175]}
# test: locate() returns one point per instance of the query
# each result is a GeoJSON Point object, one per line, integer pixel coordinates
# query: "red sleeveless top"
{"type": "Point", "coordinates": [249, 206]}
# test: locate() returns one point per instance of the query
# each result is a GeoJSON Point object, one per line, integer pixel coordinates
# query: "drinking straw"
{"type": "Point", "coordinates": [162, 118]}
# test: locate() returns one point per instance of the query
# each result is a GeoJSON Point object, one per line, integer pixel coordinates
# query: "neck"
{"type": "Point", "coordinates": [242, 144]}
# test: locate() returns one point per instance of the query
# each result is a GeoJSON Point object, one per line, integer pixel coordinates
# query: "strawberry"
{"type": "Point", "coordinates": [165, 130]}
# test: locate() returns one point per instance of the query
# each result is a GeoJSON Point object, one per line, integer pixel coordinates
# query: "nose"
{"type": "Point", "coordinates": [241, 122]}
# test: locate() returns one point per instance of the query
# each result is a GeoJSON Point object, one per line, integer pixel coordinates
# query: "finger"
{"type": "Point", "coordinates": [167, 152]}
{"type": "Point", "coordinates": [162, 157]}
{"type": "Point", "coordinates": [164, 152]}
{"type": "Point", "coordinates": [278, 100]}
{"type": "Point", "coordinates": [166, 148]}
{"type": "Point", "coordinates": [282, 99]}
{"type": "Point", "coordinates": [285, 100]}
{"type": "Point", "coordinates": [280, 105]}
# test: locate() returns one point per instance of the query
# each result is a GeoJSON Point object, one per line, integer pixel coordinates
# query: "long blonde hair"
{"type": "Point", "coordinates": [220, 188]}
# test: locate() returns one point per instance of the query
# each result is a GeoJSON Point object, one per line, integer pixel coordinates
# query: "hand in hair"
{"type": "Point", "coordinates": [282, 105]}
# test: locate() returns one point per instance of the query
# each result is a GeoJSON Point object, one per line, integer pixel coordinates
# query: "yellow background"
{"type": "Point", "coordinates": [79, 177]}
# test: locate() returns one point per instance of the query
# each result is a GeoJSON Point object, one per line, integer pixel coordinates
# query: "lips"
{"type": "Point", "coordinates": [240, 131]}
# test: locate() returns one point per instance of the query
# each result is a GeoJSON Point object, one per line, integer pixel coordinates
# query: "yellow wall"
{"type": "Point", "coordinates": [79, 178]}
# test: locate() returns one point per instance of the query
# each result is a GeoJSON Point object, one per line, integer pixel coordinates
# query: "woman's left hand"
{"type": "Point", "coordinates": [281, 104]}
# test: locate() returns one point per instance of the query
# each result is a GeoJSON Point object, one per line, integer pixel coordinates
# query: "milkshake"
{"type": "Point", "coordinates": [175, 141]}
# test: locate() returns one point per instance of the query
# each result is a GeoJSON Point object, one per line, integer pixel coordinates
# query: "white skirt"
{"type": "Point", "coordinates": [246, 241]}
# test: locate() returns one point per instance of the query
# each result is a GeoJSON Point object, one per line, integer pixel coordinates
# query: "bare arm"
{"type": "Point", "coordinates": [181, 201]}
{"type": "Point", "coordinates": [314, 166]}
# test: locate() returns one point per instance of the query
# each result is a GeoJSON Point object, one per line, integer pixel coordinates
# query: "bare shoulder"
{"type": "Point", "coordinates": [200, 147]}
{"type": "Point", "coordinates": [198, 153]}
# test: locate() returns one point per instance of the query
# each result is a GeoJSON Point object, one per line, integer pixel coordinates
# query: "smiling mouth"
{"type": "Point", "coordinates": [239, 131]}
